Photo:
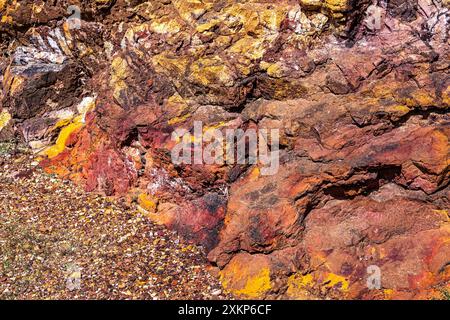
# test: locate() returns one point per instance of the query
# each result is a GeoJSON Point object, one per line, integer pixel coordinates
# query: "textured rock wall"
{"type": "Point", "coordinates": [359, 90]}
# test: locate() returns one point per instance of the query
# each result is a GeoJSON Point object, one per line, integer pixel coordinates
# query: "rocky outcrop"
{"type": "Point", "coordinates": [359, 91]}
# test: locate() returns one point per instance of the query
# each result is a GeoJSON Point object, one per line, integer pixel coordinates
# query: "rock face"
{"type": "Point", "coordinates": [359, 92]}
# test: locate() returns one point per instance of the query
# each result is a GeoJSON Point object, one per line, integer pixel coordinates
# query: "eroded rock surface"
{"type": "Point", "coordinates": [358, 89]}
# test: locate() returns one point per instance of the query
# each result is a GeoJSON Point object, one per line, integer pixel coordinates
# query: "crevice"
{"type": "Point", "coordinates": [384, 175]}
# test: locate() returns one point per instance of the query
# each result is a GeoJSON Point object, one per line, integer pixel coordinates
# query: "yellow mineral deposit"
{"type": "Point", "coordinates": [69, 126]}
{"type": "Point", "coordinates": [298, 285]}
{"type": "Point", "coordinates": [207, 71]}
{"type": "Point", "coordinates": [304, 286]}
{"type": "Point", "coordinates": [336, 281]}
{"type": "Point", "coordinates": [190, 10]}
{"type": "Point", "coordinates": [8, 8]}
{"type": "Point", "coordinates": [119, 73]}
{"type": "Point", "coordinates": [5, 118]}
{"type": "Point", "coordinates": [247, 280]}
{"type": "Point", "coordinates": [147, 202]}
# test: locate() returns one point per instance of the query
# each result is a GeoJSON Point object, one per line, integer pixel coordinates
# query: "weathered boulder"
{"type": "Point", "coordinates": [358, 91]}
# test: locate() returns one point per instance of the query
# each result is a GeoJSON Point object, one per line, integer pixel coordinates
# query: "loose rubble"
{"type": "Point", "coordinates": [59, 242]}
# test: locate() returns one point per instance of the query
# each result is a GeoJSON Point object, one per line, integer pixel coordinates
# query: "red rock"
{"type": "Point", "coordinates": [362, 114]}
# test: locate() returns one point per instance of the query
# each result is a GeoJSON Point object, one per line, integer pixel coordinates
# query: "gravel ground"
{"type": "Point", "coordinates": [59, 242]}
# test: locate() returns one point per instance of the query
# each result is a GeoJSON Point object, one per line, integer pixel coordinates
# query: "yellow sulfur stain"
{"type": "Point", "coordinates": [297, 284]}
{"type": "Point", "coordinates": [147, 203]}
{"type": "Point", "coordinates": [382, 253]}
{"type": "Point", "coordinates": [180, 109]}
{"type": "Point", "coordinates": [311, 4]}
{"type": "Point", "coordinates": [223, 41]}
{"type": "Point", "coordinates": [15, 85]}
{"type": "Point", "coordinates": [85, 52]}
{"type": "Point", "coordinates": [37, 8]}
{"type": "Point", "coordinates": [333, 280]}
{"type": "Point", "coordinates": [119, 72]}
{"type": "Point", "coordinates": [164, 214]}
{"type": "Point", "coordinates": [399, 110]}
{"type": "Point", "coordinates": [446, 94]}
{"type": "Point", "coordinates": [7, 19]}
{"type": "Point", "coordinates": [423, 98]}
{"type": "Point", "coordinates": [244, 16]}
{"type": "Point", "coordinates": [445, 213]}
{"type": "Point", "coordinates": [250, 47]}
{"type": "Point", "coordinates": [300, 281]}
{"type": "Point", "coordinates": [62, 123]}
{"type": "Point", "coordinates": [211, 70]}
{"type": "Point", "coordinates": [170, 65]}
{"type": "Point", "coordinates": [254, 175]}
{"type": "Point", "coordinates": [305, 280]}
{"type": "Point", "coordinates": [274, 70]}
{"type": "Point", "coordinates": [64, 135]}
{"type": "Point", "coordinates": [257, 285]}
{"type": "Point", "coordinates": [388, 293]}
{"type": "Point", "coordinates": [176, 99]}
{"type": "Point", "coordinates": [165, 26]}
{"type": "Point", "coordinates": [338, 5]}
{"type": "Point", "coordinates": [120, 68]}
{"type": "Point", "coordinates": [67, 33]}
{"type": "Point", "coordinates": [376, 252]}
{"type": "Point", "coordinates": [216, 126]}
{"type": "Point", "coordinates": [5, 117]}
{"type": "Point", "coordinates": [247, 276]}
{"type": "Point", "coordinates": [180, 119]}
{"type": "Point", "coordinates": [189, 9]}
{"type": "Point", "coordinates": [69, 126]}
{"type": "Point", "coordinates": [440, 147]}
{"type": "Point", "coordinates": [419, 98]}
{"type": "Point", "coordinates": [273, 18]}
{"type": "Point", "coordinates": [207, 26]}
{"type": "Point", "coordinates": [382, 91]}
